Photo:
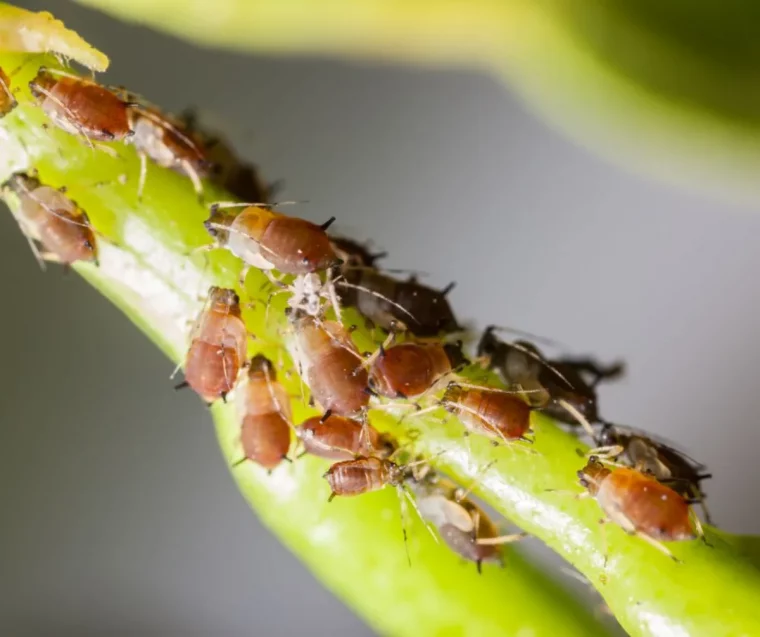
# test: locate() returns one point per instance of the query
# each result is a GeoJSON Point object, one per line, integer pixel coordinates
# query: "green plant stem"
{"type": "Point", "coordinates": [671, 88]}
{"type": "Point", "coordinates": [148, 269]}
{"type": "Point", "coordinates": [354, 546]}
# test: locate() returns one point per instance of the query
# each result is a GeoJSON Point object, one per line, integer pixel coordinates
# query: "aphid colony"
{"type": "Point", "coordinates": [647, 490]}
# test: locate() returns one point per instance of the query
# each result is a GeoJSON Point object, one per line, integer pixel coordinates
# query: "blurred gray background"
{"type": "Point", "coordinates": [119, 515]}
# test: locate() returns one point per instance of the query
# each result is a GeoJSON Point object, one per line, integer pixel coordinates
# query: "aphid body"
{"type": "Point", "coordinates": [47, 216]}
{"type": "Point", "coordinates": [339, 438]}
{"type": "Point", "coordinates": [330, 365]}
{"type": "Point", "coordinates": [354, 254]}
{"type": "Point", "coordinates": [218, 346]}
{"type": "Point", "coordinates": [363, 475]}
{"type": "Point", "coordinates": [268, 240]}
{"type": "Point", "coordinates": [638, 503]}
{"type": "Point", "coordinates": [264, 406]}
{"type": "Point", "coordinates": [81, 107]}
{"type": "Point", "coordinates": [493, 413]}
{"type": "Point", "coordinates": [7, 101]}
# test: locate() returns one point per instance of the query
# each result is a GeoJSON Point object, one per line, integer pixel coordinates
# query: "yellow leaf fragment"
{"type": "Point", "coordinates": [23, 31]}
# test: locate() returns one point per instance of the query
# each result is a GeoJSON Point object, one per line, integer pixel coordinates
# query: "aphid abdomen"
{"type": "Point", "coordinates": [224, 328]}
{"type": "Point", "coordinates": [648, 506]}
{"type": "Point", "coordinates": [338, 383]}
{"type": "Point", "coordinates": [408, 370]}
{"type": "Point", "coordinates": [265, 439]}
{"type": "Point", "coordinates": [337, 438]}
{"type": "Point", "coordinates": [296, 246]}
{"type": "Point", "coordinates": [211, 370]}
{"type": "Point", "coordinates": [69, 241]}
{"type": "Point", "coordinates": [494, 413]}
{"type": "Point", "coordinates": [464, 544]}
{"type": "Point", "coordinates": [355, 477]}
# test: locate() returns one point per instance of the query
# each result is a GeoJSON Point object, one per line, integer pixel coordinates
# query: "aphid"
{"type": "Point", "coordinates": [268, 240]}
{"type": "Point", "coordinates": [7, 101]}
{"type": "Point", "coordinates": [490, 412]}
{"type": "Point", "coordinates": [164, 140]}
{"type": "Point", "coordinates": [82, 107]}
{"type": "Point", "coordinates": [363, 475]}
{"type": "Point", "coordinates": [329, 363]}
{"type": "Point", "coordinates": [410, 369]}
{"type": "Point", "coordinates": [386, 302]}
{"type": "Point", "coordinates": [640, 505]}
{"type": "Point", "coordinates": [218, 347]}
{"type": "Point", "coordinates": [658, 459]}
{"type": "Point", "coordinates": [56, 228]}
{"type": "Point", "coordinates": [339, 438]}
{"type": "Point", "coordinates": [355, 254]}
{"type": "Point", "coordinates": [264, 406]}
{"type": "Point", "coordinates": [463, 525]}
{"type": "Point", "coordinates": [565, 381]}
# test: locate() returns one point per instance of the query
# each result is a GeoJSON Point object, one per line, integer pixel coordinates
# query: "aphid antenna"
{"type": "Point", "coordinates": [542, 361]}
{"type": "Point", "coordinates": [575, 413]}
{"type": "Point", "coordinates": [346, 284]}
{"type": "Point", "coordinates": [502, 539]}
{"type": "Point", "coordinates": [529, 335]}
{"type": "Point", "coordinates": [461, 494]}
{"type": "Point", "coordinates": [496, 390]}
{"type": "Point", "coordinates": [223, 205]}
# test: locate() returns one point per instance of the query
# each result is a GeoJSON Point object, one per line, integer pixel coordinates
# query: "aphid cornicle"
{"type": "Point", "coordinates": [218, 347]}
{"type": "Point", "coordinates": [640, 505]}
{"type": "Point", "coordinates": [564, 381]}
{"type": "Point", "coordinates": [329, 363]}
{"type": "Point", "coordinates": [409, 370]}
{"type": "Point", "coordinates": [339, 438]}
{"type": "Point", "coordinates": [57, 229]}
{"type": "Point", "coordinates": [7, 101]}
{"type": "Point", "coordinates": [81, 107]}
{"type": "Point", "coordinates": [268, 240]}
{"type": "Point", "coordinates": [490, 412]}
{"type": "Point", "coordinates": [264, 407]}
{"type": "Point", "coordinates": [665, 463]}
{"type": "Point", "coordinates": [388, 302]}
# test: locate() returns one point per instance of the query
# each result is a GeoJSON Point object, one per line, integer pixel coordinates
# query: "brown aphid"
{"type": "Point", "coordinates": [640, 505]}
{"type": "Point", "coordinates": [363, 475]}
{"type": "Point", "coordinates": [57, 229]}
{"type": "Point", "coordinates": [657, 458]}
{"type": "Point", "coordinates": [386, 302]}
{"type": "Point", "coordinates": [330, 365]}
{"type": "Point", "coordinates": [81, 107]}
{"type": "Point", "coordinates": [217, 347]}
{"type": "Point", "coordinates": [7, 101]}
{"type": "Point", "coordinates": [267, 240]}
{"type": "Point", "coordinates": [409, 370]}
{"type": "Point", "coordinates": [264, 406]}
{"type": "Point", "coordinates": [165, 141]}
{"type": "Point", "coordinates": [339, 438]}
{"type": "Point", "coordinates": [490, 412]}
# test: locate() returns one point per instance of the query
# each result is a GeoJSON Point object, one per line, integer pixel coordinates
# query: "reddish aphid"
{"type": "Point", "coordinates": [640, 505]}
{"type": "Point", "coordinates": [264, 406]}
{"type": "Point", "coordinates": [339, 438]}
{"type": "Point", "coordinates": [218, 347]}
{"type": "Point", "coordinates": [491, 412]}
{"type": "Point", "coordinates": [409, 370]}
{"type": "Point", "coordinates": [164, 140]}
{"type": "Point", "coordinates": [329, 363]}
{"type": "Point", "coordinates": [267, 240]}
{"type": "Point", "coordinates": [7, 101]}
{"type": "Point", "coordinates": [363, 475]}
{"type": "Point", "coordinates": [57, 229]}
{"type": "Point", "coordinates": [81, 107]}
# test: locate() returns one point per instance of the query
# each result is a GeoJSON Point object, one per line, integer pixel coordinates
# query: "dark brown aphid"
{"type": "Point", "coordinates": [388, 302]}
{"type": "Point", "coordinates": [640, 505]}
{"type": "Point", "coordinates": [164, 140]}
{"type": "Point", "coordinates": [57, 229]}
{"type": "Point", "coordinates": [339, 438]}
{"type": "Point", "coordinates": [329, 363]}
{"type": "Point", "coordinates": [7, 101]}
{"type": "Point", "coordinates": [264, 406]}
{"type": "Point", "coordinates": [490, 412]}
{"type": "Point", "coordinates": [409, 370]}
{"type": "Point", "coordinates": [268, 240]}
{"type": "Point", "coordinates": [218, 347]}
{"type": "Point", "coordinates": [565, 381]}
{"type": "Point", "coordinates": [654, 457]}
{"type": "Point", "coordinates": [355, 254]}
{"type": "Point", "coordinates": [81, 107]}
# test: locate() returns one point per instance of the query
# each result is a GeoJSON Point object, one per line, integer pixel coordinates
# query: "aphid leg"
{"type": "Point", "coordinates": [658, 545]}
{"type": "Point", "coordinates": [404, 516]}
{"type": "Point", "coordinates": [176, 370]}
{"type": "Point", "coordinates": [242, 277]}
{"type": "Point", "coordinates": [698, 528]}
{"type": "Point", "coordinates": [462, 494]}
{"type": "Point", "coordinates": [502, 539]}
{"type": "Point", "coordinates": [108, 150]}
{"type": "Point", "coordinates": [605, 453]}
{"type": "Point", "coordinates": [573, 411]}
{"type": "Point", "coordinates": [603, 533]}
{"type": "Point", "coordinates": [143, 175]}
{"type": "Point", "coordinates": [195, 179]}
{"type": "Point", "coordinates": [380, 351]}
